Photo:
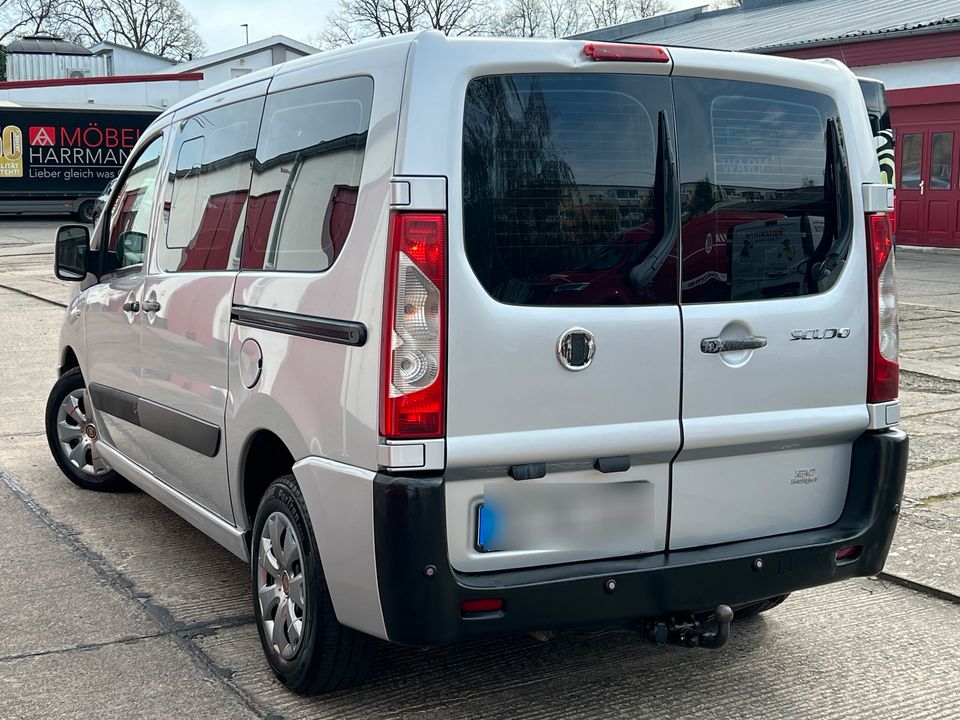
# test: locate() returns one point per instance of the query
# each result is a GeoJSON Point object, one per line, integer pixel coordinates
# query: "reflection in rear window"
{"type": "Point", "coordinates": [765, 197]}
{"type": "Point", "coordinates": [560, 189]}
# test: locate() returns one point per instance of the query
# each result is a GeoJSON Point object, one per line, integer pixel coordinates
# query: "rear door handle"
{"type": "Point", "coordinates": [715, 345]}
{"type": "Point", "coordinates": [150, 306]}
{"type": "Point", "coordinates": [131, 306]}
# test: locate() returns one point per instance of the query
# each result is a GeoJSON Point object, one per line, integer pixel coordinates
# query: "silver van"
{"type": "Point", "coordinates": [455, 337]}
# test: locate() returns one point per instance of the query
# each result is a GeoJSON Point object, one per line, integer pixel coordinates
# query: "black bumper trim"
{"type": "Point", "coordinates": [410, 534]}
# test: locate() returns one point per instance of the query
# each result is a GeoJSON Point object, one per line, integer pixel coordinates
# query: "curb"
{"type": "Point", "coordinates": [922, 249]}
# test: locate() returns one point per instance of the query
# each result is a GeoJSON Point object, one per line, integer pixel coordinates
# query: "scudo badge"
{"type": "Point", "coordinates": [575, 349]}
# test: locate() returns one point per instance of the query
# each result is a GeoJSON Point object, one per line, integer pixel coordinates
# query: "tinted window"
{"type": "Point", "coordinates": [207, 184]}
{"type": "Point", "coordinates": [765, 199]}
{"type": "Point", "coordinates": [306, 175]}
{"type": "Point", "coordinates": [561, 199]}
{"type": "Point", "coordinates": [129, 216]}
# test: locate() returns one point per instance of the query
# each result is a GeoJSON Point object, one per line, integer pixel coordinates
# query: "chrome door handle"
{"type": "Point", "coordinates": [150, 306]}
{"type": "Point", "coordinates": [131, 306]}
{"type": "Point", "coordinates": [715, 345]}
{"type": "Point", "coordinates": [921, 187]}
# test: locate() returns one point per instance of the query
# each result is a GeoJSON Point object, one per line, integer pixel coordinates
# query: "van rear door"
{"type": "Point", "coordinates": [564, 329]}
{"type": "Point", "coordinates": [774, 308]}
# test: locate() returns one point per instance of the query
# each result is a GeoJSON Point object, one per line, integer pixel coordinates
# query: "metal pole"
{"type": "Point", "coordinates": [246, 29]}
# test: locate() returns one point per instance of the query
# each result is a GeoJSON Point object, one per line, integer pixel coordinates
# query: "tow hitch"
{"type": "Point", "coordinates": [689, 631]}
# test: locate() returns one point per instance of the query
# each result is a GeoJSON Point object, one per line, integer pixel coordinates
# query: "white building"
{"type": "Point", "coordinates": [238, 61]}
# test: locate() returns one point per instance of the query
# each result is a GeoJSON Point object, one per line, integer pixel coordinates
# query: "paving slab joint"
{"type": "Point", "coordinates": [180, 633]}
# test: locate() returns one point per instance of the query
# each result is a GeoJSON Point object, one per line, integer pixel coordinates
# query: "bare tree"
{"type": "Point", "coordinates": [523, 18]}
{"type": "Point", "coordinates": [560, 18]}
{"type": "Point", "coordinates": [604, 13]}
{"type": "Point", "coordinates": [564, 17]}
{"type": "Point", "coordinates": [724, 4]}
{"type": "Point", "coordinates": [162, 27]}
{"type": "Point", "coordinates": [363, 19]}
{"type": "Point", "coordinates": [27, 17]}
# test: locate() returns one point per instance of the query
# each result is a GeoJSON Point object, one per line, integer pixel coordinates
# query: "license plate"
{"type": "Point", "coordinates": [594, 517]}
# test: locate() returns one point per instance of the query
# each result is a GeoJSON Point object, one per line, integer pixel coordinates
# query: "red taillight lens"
{"type": "Point", "coordinates": [412, 403]}
{"type": "Point", "coordinates": [625, 52]}
{"type": "Point", "coordinates": [883, 382]}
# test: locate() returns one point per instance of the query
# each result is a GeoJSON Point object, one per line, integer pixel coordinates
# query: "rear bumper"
{"type": "Point", "coordinates": [418, 609]}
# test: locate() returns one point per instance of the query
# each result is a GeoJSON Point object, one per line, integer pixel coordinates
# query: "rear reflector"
{"type": "Point", "coordinates": [482, 605]}
{"type": "Point", "coordinates": [849, 552]}
{"type": "Point", "coordinates": [413, 395]}
{"type": "Point", "coordinates": [625, 52]}
{"type": "Point", "coordinates": [883, 379]}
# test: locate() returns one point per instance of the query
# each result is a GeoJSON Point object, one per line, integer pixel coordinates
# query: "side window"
{"type": "Point", "coordinates": [306, 175]}
{"type": "Point", "coordinates": [941, 160]}
{"type": "Point", "coordinates": [910, 161]}
{"type": "Point", "coordinates": [129, 216]}
{"type": "Point", "coordinates": [564, 201]}
{"type": "Point", "coordinates": [206, 187]}
{"type": "Point", "coordinates": [765, 195]}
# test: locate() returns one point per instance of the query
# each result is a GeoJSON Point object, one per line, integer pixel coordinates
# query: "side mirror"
{"type": "Point", "coordinates": [130, 247]}
{"type": "Point", "coordinates": [70, 254]}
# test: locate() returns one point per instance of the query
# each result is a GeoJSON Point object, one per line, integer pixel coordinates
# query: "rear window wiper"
{"type": "Point", "coordinates": [665, 199]}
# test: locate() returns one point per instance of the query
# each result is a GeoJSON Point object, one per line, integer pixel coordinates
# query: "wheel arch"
{"type": "Point", "coordinates": [264, 458]}
{"type": "Point", "coordinates": [68, 360]}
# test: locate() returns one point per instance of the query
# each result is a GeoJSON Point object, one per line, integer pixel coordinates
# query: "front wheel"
{"type": "Point", "coordinates": [72, 436]}
{"type": "Point", "coordinates": [307, 648]}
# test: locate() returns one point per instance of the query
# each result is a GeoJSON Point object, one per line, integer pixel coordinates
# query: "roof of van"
{"type": "Point", "coordinates": [780, 24]}
{"type": "Point", "coordinates": [298, 63]}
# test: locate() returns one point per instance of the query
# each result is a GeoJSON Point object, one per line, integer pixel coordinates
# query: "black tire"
{"type": "Point", "coordinates": [329, 656]}
{"type": "Point", "coordinates": [109, 481]}
{"type": "Point", "coordinates": [85, 212]}
{"type": "Point", "coordinates": [756, 608]}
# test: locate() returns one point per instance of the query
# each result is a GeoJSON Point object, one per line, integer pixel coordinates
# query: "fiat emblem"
{"type": "Point", "coordinates": [575, 349]}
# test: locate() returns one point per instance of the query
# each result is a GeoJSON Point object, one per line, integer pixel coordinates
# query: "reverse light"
{"type": "Point", "coordinates": [413, 394]}
{"type": "Point", "coordinates": [626, 52]}
{"type": "Point", "coordinates": [883, 379]}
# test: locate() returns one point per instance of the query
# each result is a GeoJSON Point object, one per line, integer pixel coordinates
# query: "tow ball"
{"type": "Point", "coordinates": [689, 631]}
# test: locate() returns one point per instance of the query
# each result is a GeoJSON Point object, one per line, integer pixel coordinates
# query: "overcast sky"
{"type": "Point", "coordinates": [218, 21]}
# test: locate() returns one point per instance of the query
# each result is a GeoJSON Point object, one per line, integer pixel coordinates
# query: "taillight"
{"type": "Point", "coordinates": [413, 395]}
{"type": "Point", "coordinates": [626, 52]}
{"type": "Point", "coordinates": [883, 381]}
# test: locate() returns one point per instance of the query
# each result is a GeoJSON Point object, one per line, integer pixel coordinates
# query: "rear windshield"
{"type": "Point", "coordinates": [561, 197]}
{"type": "Point", "coordinates": [764, 191]}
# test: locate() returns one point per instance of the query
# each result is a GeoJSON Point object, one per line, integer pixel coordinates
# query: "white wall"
{"type": "Point", "coordinates": [155, 94]}
{"type": "Point", "coordinates": [222, 71]}
{"type": "Point", "coordinates": [921, 73]}
{"type": "Point", "coordinates": [130, 62]}
{"type": "Point", "coordinates": [47, 66]}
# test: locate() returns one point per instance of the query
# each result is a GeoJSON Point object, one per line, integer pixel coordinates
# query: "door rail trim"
{"type": "Point", "coordinates": [343, 332]}
{"type": "Point", "coordinates": [190, 432]}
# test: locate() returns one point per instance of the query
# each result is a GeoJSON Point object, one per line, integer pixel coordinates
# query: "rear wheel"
{"type": "Point", "coordinates": [756, 608]}
{"type": "Point", "coordinates": [307, 648]}
{"type": "Point", "coordinates": [72, 436]}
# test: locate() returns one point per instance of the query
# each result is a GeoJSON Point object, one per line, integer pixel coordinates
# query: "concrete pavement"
{"type": "Point", "coordinates": [112, 606]}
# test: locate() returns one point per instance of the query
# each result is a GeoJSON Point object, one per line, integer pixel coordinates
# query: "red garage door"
{"type": "Point", "coordinates": [927, 124]}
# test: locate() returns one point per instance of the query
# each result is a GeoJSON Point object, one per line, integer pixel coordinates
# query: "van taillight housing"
{"type": "Point", "coordinates": [883, 381]}
{"type": "Point", "coordinates": [413, 392]}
